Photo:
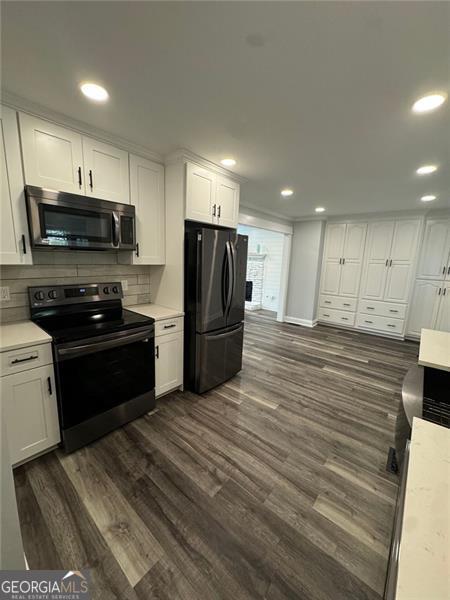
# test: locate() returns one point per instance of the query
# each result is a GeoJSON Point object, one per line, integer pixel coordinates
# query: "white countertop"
{"type": "Point", "coordinates": [20, 335]}
{"type": "Point", "coordinates": [156, 311]}
{"type": "Point", "coordinates": [424, 558]}
{"type": "Point", "coordinates": [435, 349]}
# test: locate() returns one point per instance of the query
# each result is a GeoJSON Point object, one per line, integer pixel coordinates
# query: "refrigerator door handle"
{"type": "Point", "coordinates": [233, 271]}
{"type": "Point", "coordinates": [230, 276]}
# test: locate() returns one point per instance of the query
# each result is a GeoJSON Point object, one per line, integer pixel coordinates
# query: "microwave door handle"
{"type": "Point", "coordinates": [115, 228]}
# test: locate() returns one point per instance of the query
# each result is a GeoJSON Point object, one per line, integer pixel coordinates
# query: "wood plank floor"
{"type": "Point", "coordinates": [271, 486]}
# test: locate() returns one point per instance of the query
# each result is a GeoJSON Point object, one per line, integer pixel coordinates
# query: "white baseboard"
{"type": "Point", "coordinates": [303, 322]}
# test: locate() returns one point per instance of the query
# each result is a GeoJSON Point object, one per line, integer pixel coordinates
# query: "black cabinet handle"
{"type": "Point", "coordinates": [49, 383]}
{"type": "Point", "coordinates": [21, 360]}
{"type": "Point", "coordinates": [389, 325]}
{"type": "Point", "coordinates": [214, 210]}
{"type": "Point", "coordinates": [80, 181]}
{"type": "Point", "coordinates": [137, 249]}
{"type": "Point", "coordinates": [444, 292]}
{"type": "Point", "coordinates": [91, 182]}
{"type": "Point", "coordinates": [24, 244]}
{"type": "Point", "coordinates": [393, 310]}
{"type": "Point", "coordinates": [218, 211]}
{"type": "Point", "coordinates": [368, 321]}
{"type": "Point", "coordinates": [343, 261]}
{"type": "Point", "coordinates": [346, 304]}
{"type": "Point", "coordinates": [448, 270]}
{"type": "Point", "coordinates": [387, 262]}
{"type": "Point", "coordinates": [443, 270]}
{"type": "Point", "coordinates": [170, 326]}
{"type": "Point", "coordinates": [157, 351]}
{"type": "Point", "coordinates": [370, 308]}
{"type": "Point", "coordinates": [390, 263]}
{"type": "Point", "coordinates": [439, 292]}
{"type": "Point", "coordinates": [344, 318]}
{"type": "Point", "coordinates": [325, 315]}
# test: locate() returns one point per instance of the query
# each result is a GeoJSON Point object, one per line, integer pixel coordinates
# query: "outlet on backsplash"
{"type": "Point", "coordinates": [4, 294]}
{"type": "Point", "coordinates": [124, 283]}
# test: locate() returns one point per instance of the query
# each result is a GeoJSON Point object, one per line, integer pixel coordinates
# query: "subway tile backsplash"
{"type": "Point", "coordinates": [58, 267]}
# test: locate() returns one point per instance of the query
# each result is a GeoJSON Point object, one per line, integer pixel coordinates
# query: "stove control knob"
{"type": "Point", "coordinates": [115, 290]}
{"type": "Point", "coordinates": [106, 290]}
{"type": "Point", "coordinates": [39, 295]}
{"type": "Point", "coordinates": [52, 294]}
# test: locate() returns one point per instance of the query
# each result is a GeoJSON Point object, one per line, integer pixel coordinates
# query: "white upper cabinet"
{"type": "Point", "coordinates": [434, 257]}
{"type": "Point", "coordinates": [14, 241]}
{"type": "Point", "coordinates": [443, 316]}
{"type": "Point", "coordinates": [379, 241]}
{"type": "Point", "coordinates": [355, 238]}
{"type": "Point", "coordinates": [331, 277]}
{"type": "Point", "coordinates": [200, 194]}
{"type": "Point", "coordinates": [147, 195]}
{"type": "Point", "coordinates": [334, 245]}
{"type": "Point", "coordinates": [404, 242]}
{"type": "Point", "coordinates": [227, 201]}
{"type": "Point", "coordinates": [52, 155]}
{"type": "Point", "coordinates": [106, 171]}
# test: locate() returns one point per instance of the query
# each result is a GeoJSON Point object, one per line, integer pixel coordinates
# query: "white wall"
{"type": "Point", "coordinates": [270, 243]}
{"type": "Point", "coordinates": [304, 272]}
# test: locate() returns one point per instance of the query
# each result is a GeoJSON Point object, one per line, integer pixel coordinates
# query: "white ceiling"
{"type": "Point", "coordinates": [313, 95]}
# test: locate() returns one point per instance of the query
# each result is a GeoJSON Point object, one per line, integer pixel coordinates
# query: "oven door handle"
{"type": "Point", "coordinates": [81, 349]}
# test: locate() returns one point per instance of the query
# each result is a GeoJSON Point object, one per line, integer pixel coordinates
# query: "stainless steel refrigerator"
{"type": "Point", "coordinates": [215, 274]}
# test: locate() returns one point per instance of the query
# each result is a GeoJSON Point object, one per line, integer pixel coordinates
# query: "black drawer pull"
{"type": "Point", "coordinates": [327, 301]}
{"type": "Point", "coordinates": [325, 315]}
{"type": "Point", "coordinates": [91, 182]}
{"type": "Point", "coordinates": [368, 321]}
{"type": "Point", "coordinates": [346, 304]}
{"type": "Point", "coordinates": [21, 360]}
{"type": "Point", "coordinates": [214, 210]}
{"type": "Point", "coordinates": [137, 249]}
{"type": "Point", "coordinates": [49, 383]}
{"type": "Point", "coordinates": [370, 307]}
{"type": "Point", "coordinates": [393, 310]}
{"type": "Point", "coordinates": [170, 326]}
{"type": "Point", "coordinates": [157, 351]}
{"type": "Point", "coordinates": [218, 211]}
{"type": "Point", "coordinates": [80, 181]}
{"type": "Point", "coordinates": [389, 325]}
{"type": "Point", "coordinates": [24, 244]}
{"type": "Point", "coordinates": [344, 318]}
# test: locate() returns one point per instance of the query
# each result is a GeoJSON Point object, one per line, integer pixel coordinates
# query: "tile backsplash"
{"type": "Point", "coordinates": [59, 267]}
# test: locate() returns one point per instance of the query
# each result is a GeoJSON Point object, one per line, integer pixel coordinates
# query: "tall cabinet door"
{"type": "Point", "coordinates": [227, 200]}
{"type": "Point", "coordinates": [106, 171]}
{"type": "Point", "coordinates": [401, 261]}
{"type": "Point", "coordinates": [332, 258]}
{"type": "Point", "coordinates": [52, 155]}
{"type": "Point", "coordinates": [433, 259]}
{"type": "Point", "coordinates": [443, 316]}
{"type": "Point", "coordinates": [14, 241]}
{"type": "Point", "coordinates": [355, 238]}
{"type": "Point", "coordinates": [424, 306]}
{"type": "Point", "coordinates": [200, 194]}
{"type": "Point", "coordinates": [377, 255]}
{"type": "Point", "coordinates": [147, 195]}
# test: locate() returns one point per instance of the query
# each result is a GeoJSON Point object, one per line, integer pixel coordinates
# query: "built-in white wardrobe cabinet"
{"type": "Point", "coordinates": [14, 241]}
{"type": "Point", "coordinates": [61, 159]}
{"type": "Point", "coordinates": [430, 305]}
{"type": "Point", "coordinates": [211, 198]}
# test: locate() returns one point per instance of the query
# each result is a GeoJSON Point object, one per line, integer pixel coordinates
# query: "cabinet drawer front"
{"type": "Point", "coordinates": [382, 324]}
{"type": "Point", "coordinates": [383, 309]}
{"type": "Point", "coordinates": [23, 359]}
{"type": "Point", "coordinates": [340, 317]}
{"type": "Point", "coordinates": [338, 302]}
{"type": "Point", "coordinates": [168, 326]}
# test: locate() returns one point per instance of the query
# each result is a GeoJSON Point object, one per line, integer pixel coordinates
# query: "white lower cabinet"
{"type": "Point", "coordinates": [29, 408]}
{"type": "Point", "coordinates": [380, 324]}
{"type": "Point", "coordinates": [340, 317]}
{"type": "Point", "coordinates": [443, 315]}
{"type": "Point", "coordinates": [168, 356]}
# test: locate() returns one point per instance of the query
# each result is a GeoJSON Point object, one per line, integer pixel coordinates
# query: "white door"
{"type": "Point", "coordinates": [168, 362]}
{"type": "Point", "coordinates": [30, 410]}
{"type": "Point", "coordinates": [227, 200]}
{"type": "Point", "coordinates": [433, 260]}
{"type": "Point", "coordinates": [424, 306]}
{"type": "Point", "coordinates": [331, 277]}
{"type": "Point", "coordinates": [200, 194]}
{"type": "Point", "coordinates": [334, 242]}
{"type": "Point", "coordinates": [355, 237]}
{"type": "Point", "coordinates": [147, 195]}
{"type": "Point", "coordinates": [377, 254]}
{"type": "Point", "coordinates": [443, 316]}
{"type": "Point", "coordinates": [14, 240]}
{"type": "Point", "coordinates": [52, 155]}
{"type": "Point", "coordinates": [350, 278]}
{"type": "Point", "coordinates": [401, 261]}
{"type": "Point", "coordinates": [106, 171]}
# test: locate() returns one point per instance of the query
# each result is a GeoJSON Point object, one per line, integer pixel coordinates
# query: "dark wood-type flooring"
{"type": "Point", "coordinates": [271, 486]}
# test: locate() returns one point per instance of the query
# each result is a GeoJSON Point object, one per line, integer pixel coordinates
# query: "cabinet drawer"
{"type": "Point", "coordinates": [336, 316]}
{"type": "Point", "coordinates": [23, 359]}
{"type": "Point", "coordinates": [383, 309]}
{"type": "Point", "coordinates": [338, 302]}
{"type": "Point", "coordinates": [168, 326]}
{"type": "Point", "coordinates": [384, 324]}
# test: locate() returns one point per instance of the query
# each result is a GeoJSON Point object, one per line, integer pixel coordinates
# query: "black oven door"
{"type": "Point", "coordinates": [104, 382]}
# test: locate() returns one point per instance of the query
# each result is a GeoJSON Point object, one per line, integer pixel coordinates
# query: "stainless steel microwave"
{"type": "Point", "coordinates": [62, 220]}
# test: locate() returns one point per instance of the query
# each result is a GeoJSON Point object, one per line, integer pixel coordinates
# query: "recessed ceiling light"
{"type": "Point", "coordinates": [228, 162]}
{"type": "Point", "coordinates": [95, 92]}
{"type": "Point", "coordinates": [428, 198]}
{"type": "Point", "coordinates": [429, 102]}
{"type": "Point", "coordinates": [319, 209]}
{"type": "Point", "coordinates": [426, 169]}
{"type": "Point", "coordinates": [287, 192]}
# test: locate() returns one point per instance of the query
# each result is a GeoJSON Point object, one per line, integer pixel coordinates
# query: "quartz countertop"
{"type": "Point", "coordinates": [424, 558]}
{"type": "Point", "coordinates": [156, 311]}
{"type": "Point", "coordinates": [21, 335]}
{"type": "Point", "coordinates": [435, 349]}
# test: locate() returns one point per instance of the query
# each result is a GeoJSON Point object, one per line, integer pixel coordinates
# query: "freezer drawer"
{"type": "Point", "coordinates": [219, 356]}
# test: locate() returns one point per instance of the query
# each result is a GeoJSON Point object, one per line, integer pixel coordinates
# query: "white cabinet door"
{"type": "Point", "coordinates": [200, 194]}
{"type": "Point", "coordinates": [435, 250]}
{"type": "Point", "coordinates": [227, 201]}
{"type": "Point", "coordinates": [424, 306]}
{"type": "Point", "coordinates": [401, 261]}
{"type": "Point", "coordinates": [331, 277]}
{"type": "Point", "coordinates": [355, 238]}
{"type": "Point", "coordinates": [14, 240]}
{"type": "Point", "coordinates": [379, 239]}
{"type": "Point", "coordinates": [168, 362]}
{"type": "Point", "coordinates": [30, 409]}
{"type": "Point", "coordinates": [350, 278]}
{"type": "Point", "coordinates": [443, 316]}
{"type": "Point", "coordinates": [398, 282]}
{"type": "Point", "coordinates": [106, 171]}
{"type": "Point", "coordinates": [334, 242]}
{"type": "Point", "coordinates": [52, 155]}
{"type": "Point", "coordinates": [147, 195]}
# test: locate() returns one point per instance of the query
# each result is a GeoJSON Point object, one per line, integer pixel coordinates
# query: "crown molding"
{"type": "Point", "coordinates": [371, 215]}
{"type": "Point", "coordinates": [272, 213]}
{"type": "Point", "coordinates": [186, 155]}
{"type": "Point", "coordinates": [22, 104]}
